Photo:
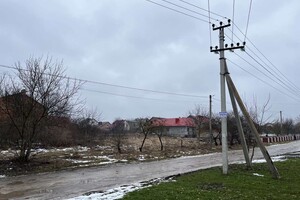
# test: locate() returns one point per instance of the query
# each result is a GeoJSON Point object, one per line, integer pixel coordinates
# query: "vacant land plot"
{"type": "Point", "coordinates": [104, 152]}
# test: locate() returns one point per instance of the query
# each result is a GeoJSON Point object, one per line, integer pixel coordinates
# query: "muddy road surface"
{"type": "Point", "coordinates": [70, 183]}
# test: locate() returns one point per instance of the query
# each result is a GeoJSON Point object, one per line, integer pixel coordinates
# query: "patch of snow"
{"type": "Point", "coordinates": [274, 159]}
{"type": "Point", "coordinates": [79, 161]}
{"type": "Point", "coordinates": [119, 192]}
{"type": "Point", "coordinates": [98, 147]}
{"type": "Point", "coordinates": [78, 148]}
{"type": "Point", "coordinates": [9, 153]}
{"type": "Point", "coordinates": [141, 158]}
{"type": "Point", "coordinates": [196, 156]}
{"type": "Point", "coordinates": [256, 174]}
{"type": "Point", "coordinates": [82, 149]}
{"type": "Point", "coordinates": [2, 176]}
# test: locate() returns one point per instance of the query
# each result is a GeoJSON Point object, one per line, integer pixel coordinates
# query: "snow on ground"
{"type": "Point", "coordinates": [79, 161]}
{"type": "Point", "coordinates": [274, 159]}
{"type": "Point", "coordinates": [2, 176]}
{"type": "Point", "coordinates": [119, 192]}
{"type": "Point", "coordinates": [141, 158]}
{"type": "Point", "coordinates": [256, 174]}
{"type": "Point", "coordinates": [10, 153]}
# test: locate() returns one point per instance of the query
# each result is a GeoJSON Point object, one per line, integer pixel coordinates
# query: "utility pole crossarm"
{"type": "Point", "coordinates": [232, 47]}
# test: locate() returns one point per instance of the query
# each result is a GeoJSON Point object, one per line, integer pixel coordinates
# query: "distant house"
{"type": "Point", "coordinates": [121, 125]}
{"type": "Point", "coordinates": [199, 119]}
{"type": "Point", "coordinates": [181, 126]}
{"type": "Point", "coordinates": [18, 104]}
{"type": "Point", "coordinates": [105, 126]}
{"type": "Point", "coordinates": [92, 121]}
{"type": "Point", "coordinates": [134, 125]}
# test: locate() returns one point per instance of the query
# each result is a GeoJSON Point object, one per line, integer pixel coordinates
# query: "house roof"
{"type": "Point", "coordinates": [201, 118]}
{"type": "Point", "coordinates": [173, 122]}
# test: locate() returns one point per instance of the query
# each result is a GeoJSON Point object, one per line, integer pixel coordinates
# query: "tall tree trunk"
{"type": "Point", "coordinates": [145, 136]}
{"type": "Point", "coordinates": [161, 144]}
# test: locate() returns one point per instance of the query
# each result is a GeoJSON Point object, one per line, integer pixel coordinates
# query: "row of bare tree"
{"type": "Point", "coordinates": [39, 105]}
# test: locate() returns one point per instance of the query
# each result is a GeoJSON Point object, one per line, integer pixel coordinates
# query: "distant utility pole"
{"type": "Point", "coordinates": [281, 123]}
{"type": "Point", "coordinates": [210, 128]}
{"type": "Point", "coordinates": [223, 114]}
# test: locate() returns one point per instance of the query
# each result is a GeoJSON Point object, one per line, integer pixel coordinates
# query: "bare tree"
{"type": "Point", "coordinates": [39, 91]}
{"type": "Point", "coordinates": [158, 129]}
{"type": "Point", "coordinates": [146, 127]}
{"type": "Point", "coordinates": [259, 117]}
{"type": "Point", "coordinates": [87, 124]}
{"type": "Point", "coordinates": [288, 126]}
{"type": "Point", "coordinates": [119, 130]}
{"type": "Point", "coordinates": [200, 117]}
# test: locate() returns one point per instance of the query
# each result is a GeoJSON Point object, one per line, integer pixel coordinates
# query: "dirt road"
{"type": "Point", "coordinates": [70, 183]}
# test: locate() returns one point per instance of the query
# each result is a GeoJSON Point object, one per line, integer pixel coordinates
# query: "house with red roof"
{"type": "Point", "coordinates": [181, 126]}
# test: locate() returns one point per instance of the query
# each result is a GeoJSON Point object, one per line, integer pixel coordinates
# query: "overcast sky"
{"type": "Point", "coordinates": [135, 43]}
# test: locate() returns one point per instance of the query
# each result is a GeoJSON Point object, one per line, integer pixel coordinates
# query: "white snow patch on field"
{"type": "Point", "coordinates": [141, 158]}
{"type": "Point", "coordinates": [2, 176]}
{"type": "Point", "coordinates": [11, 153]}
{"type": "Point", "coordinates": [79, 161]}
{"type": "Point", "coordinates": [256, 174]}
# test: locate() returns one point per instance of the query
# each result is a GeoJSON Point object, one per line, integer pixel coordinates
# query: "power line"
{"type": "Point", "coordinates": [265, 57]}
{"type": "Point", "coordinates": [262, 79]}
{"type": "Point", "coordinates": [174, 4]}
{"type": "Point", "coordinates": [183, 13]}
{"type": "Point", "coordinates": [250, 7]}
{"type": "Point", "coordinates": [290, 85]}
{"type": "Point", "coordinates": [240, 40]}
{"type": "Point", "coordinates": [118, 86]}
{"type": "Point", "coordinates": [268, 76]}
{"type": "Point", "coordinates": [294, 85]}
{"type": "Point", "coordinates": [207, 10]}
{"type": "Point", "coordinates": [209, 28]}
{"type": "Point", "coordinates": [135, 97]}
{"type": "Point", "coordinates": [286, 86]}
{"type": "Point", "coordinates": [248, 19]}
{"type": "Point", "coordinates": [233, 8]}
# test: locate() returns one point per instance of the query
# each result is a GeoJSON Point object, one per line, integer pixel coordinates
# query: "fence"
{"type": "Point", "coordinates": [282, 138]}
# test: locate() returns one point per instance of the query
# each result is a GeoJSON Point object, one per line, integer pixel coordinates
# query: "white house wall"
{"type": "Point", "coordinates": [179, 131]}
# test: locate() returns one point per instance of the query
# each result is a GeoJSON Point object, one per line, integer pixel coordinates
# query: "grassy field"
{"type": "Point", "coordinates": [256, 183]}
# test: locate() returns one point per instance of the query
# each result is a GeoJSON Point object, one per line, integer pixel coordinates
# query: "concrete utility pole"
{"type": "Point", "coordinates": [210, 128]}
{"type": "Point", "coordinates": [254, 131]}
{"type": "Point", "coordinates": [281, 122]}
{"type": "Point", "coordinates": [223, 113]}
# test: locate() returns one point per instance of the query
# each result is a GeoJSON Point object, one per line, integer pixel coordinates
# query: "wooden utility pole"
{"type": "Point", "coordinates": [223, 114]}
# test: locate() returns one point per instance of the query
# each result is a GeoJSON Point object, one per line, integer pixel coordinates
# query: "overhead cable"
{"type": "Point", "coordinates": [200, 19]}
{"type": "Point", "coordinates": [118, 86]}
{"type": "Point", "coordinates": [265, 82]}
{"type": "Point", "coordinates": [248, 20]}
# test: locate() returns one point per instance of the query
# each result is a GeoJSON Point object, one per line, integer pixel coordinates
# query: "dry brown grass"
{"type": "Point", "coordinates": [106, 152]}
